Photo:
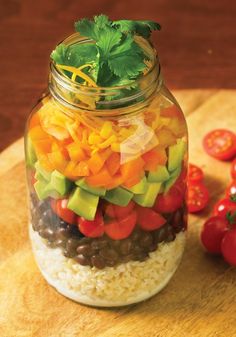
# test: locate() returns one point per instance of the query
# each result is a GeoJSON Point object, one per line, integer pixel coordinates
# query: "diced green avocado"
{"type": "Point", "coordinates": [173, 177]}
{"type": "Point", "coordinates": [118, 196]}
{"type": "Point", "coordinates": [176, 154]}
{"type": "Point", "coordinates": [60, 183]}
{"type": "Point", "coordinates": [46, 175]}
{"type": "Point", "coordinates": [139, 188]}
{"type": "Point", "coordinates": [38, 176]}
{"type": "Point", "coordinates": [31, 157]}
{"type": "Point", "coordinates": [44, 190]}
{"type": "Point", "coordinates": [158, 176]}
{"type": "Point", "coordinates": [148, 198]}
{"type": "Point", "coordinates": [83, 203]}
{"type": "Point", "coordinates": [93, 190]}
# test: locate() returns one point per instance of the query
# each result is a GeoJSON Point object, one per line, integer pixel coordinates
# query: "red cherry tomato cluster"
{"type": "Point", "coordinates": [218, 234]}
{"type": "Point", "coordinates": [116, 221]}
{"type": "Point", "coordinates": [198, 195]}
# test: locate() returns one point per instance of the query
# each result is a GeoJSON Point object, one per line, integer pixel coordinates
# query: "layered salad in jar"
{"type": "Point", "coordinates": [107, 187]}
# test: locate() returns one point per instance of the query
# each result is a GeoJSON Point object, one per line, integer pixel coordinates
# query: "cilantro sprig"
{"type": "Point", "coordinates": [113, 56]}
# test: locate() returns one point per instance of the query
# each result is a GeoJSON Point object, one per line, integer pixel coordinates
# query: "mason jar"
{"type": "Point", "coordinates": [106, 172]}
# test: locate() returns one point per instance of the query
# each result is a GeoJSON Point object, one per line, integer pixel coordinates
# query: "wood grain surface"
{"type": "Point", "coordinates": [196, 46]}
{"type": "Point", "coordinates": [200, 300]}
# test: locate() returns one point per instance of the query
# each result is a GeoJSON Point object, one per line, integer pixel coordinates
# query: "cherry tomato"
{"type": "Point", "coordinates": [231, 189]}
{"type": "Point", "coordinates": [148, 219]}
{"type": "Point", "coordinates": [220, 144]}
{"type": "Point", "coordinates": [212, 234]}
{"type": "Point", "coordinates": [59, 206]}
{"type": "Point", "coordinates": [228, 247]}
{"type": "Point", "coordinates": [233, 169]}
{"type": "Point", "coordinates": [195, 174]}
{"type": "Point", "coordinates": [170, 201]}
{"type": "Point", "coordinates": [121, 229]}
{"type": "Point", "coordinates": [119, 212]}
{"type": "Point", "coordinates": [93, 228]}
{"type": "Point", "coordinates": [198, 197]}
{"type": "Point", "coordinates": [225, 207]}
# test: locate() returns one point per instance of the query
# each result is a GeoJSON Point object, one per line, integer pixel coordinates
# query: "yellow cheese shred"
{"type": "Point", "coordinates": [77, 72]}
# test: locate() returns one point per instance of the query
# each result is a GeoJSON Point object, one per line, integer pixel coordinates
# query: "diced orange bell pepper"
{"type": "Point", "coordinates": [131, 168]}
{"type": "Point", "coordinates": [57, 159]}
{"type": "Point", "coordinates": [105, 154]}
{"type": "Point", "coordinates": [42, 146]}
{"type": "Point", "coordinates": [45, 163]}
{"type": "Point", "coordinates": [37, 133]}
{"type": "Point", "coordinates": [101, 179]}
{"type": "Point", "coordinates": [113, 163]}
{"type": "Point", "coordinates": [134, 180]}
{"type": "Point", "coordinates": [76, 153]}
{"type": "Point", "coordinates": [117, 180]}
{"type": "Point", "coordinates": [34, 121]}
{"type": "Point", "coordinates": [154, 158]}
{"type": "Point", "coordinates": [171, 111]}
{"type": "Point", "coordinates": [69, 170]}
{"type": "Point", "coordinates": [81, 169]}
{"type": "Point", "coordinates": [95, 163]}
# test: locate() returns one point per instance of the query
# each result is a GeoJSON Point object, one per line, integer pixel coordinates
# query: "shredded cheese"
{"type": "Point", "coordinates": [77, 72]}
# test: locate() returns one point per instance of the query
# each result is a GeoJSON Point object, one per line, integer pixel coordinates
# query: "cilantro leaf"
{"type": "Point", "coordinates": [87, 28]}
{"type": "Point", "coordinates": [127, 59]}
{"type": "Point", "coordinates": [108, 40]}
{"type": "Point", "coordinates": [101, 21]}
{"type": "Point", "coordinates": [142, 28]}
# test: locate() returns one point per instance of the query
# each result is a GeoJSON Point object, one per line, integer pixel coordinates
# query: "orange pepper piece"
{"type": "Point", "coordinates": [154, 158]}
{"type": "Point", "coordinates": [131, 168]}
{"type": "Point", "coordinates": [171, 111]}
{"type": "Point", "coordinates": [134, 180]}
{"type": "Point", "coordinates": [69, 170]}
{"type": "Point", "coordinates": [117, 180]}
{"type": "Point", "coordinates": [37, 133]}
{"type": "Point", "coordinates": [113, 163]}
{"type": "Point", "coordinates": [81, 170]}
{"type": "Point", "coordinates": [76, 153]}
{"type": "Point", "coordinates": [101, 179]}
{"type": "Point", "coordinates": [34, 121]}
{"type": "Point", "coordinates": [45, 163]}
{"type": "Point", "coordinates": [96, 162]}
{"type": "Point", "coordinates": [42, 146]}
{"type": "Point", "coordinates": [57, 159]}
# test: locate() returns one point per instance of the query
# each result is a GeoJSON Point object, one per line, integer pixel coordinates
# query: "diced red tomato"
{"type": "Point", "coordinates": [220, 144]}
{"type": "Point", "coordinates": [60, 208]}
{"type": "Point", "coordinates": [148, 219]}
{"type": "Point", "coordinates": [121, 229]}
{"type": "Point", "coordinates": [169, 202]}
{"type": "Point", "coordinates": [119, 212]}
{"type": "Point", "coordinates": [195, 174]}
{"type": "Point", "coordinates": [198, 197]}
{"type": "Point", "coordinates": [94, 228]}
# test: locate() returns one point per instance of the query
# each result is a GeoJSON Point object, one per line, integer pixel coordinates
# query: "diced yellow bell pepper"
{"type": "Point", "coordinates": [106, 130]}
{"type": "Point", "coordinates": [107, 142]}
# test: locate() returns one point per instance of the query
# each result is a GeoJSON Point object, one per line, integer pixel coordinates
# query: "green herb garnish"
{"type": "Point", "coordinates": [113, 58]}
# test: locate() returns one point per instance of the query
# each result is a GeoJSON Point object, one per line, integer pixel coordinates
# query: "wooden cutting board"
{"type": "Point", "coordinates": [200, 300]}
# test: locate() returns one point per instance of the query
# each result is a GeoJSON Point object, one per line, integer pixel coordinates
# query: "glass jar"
{"type": "Point", "coordinates": [106, 171]}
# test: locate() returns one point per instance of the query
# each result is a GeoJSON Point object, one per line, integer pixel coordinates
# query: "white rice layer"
{"type": "Point", "coordinates": [123, 284]}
